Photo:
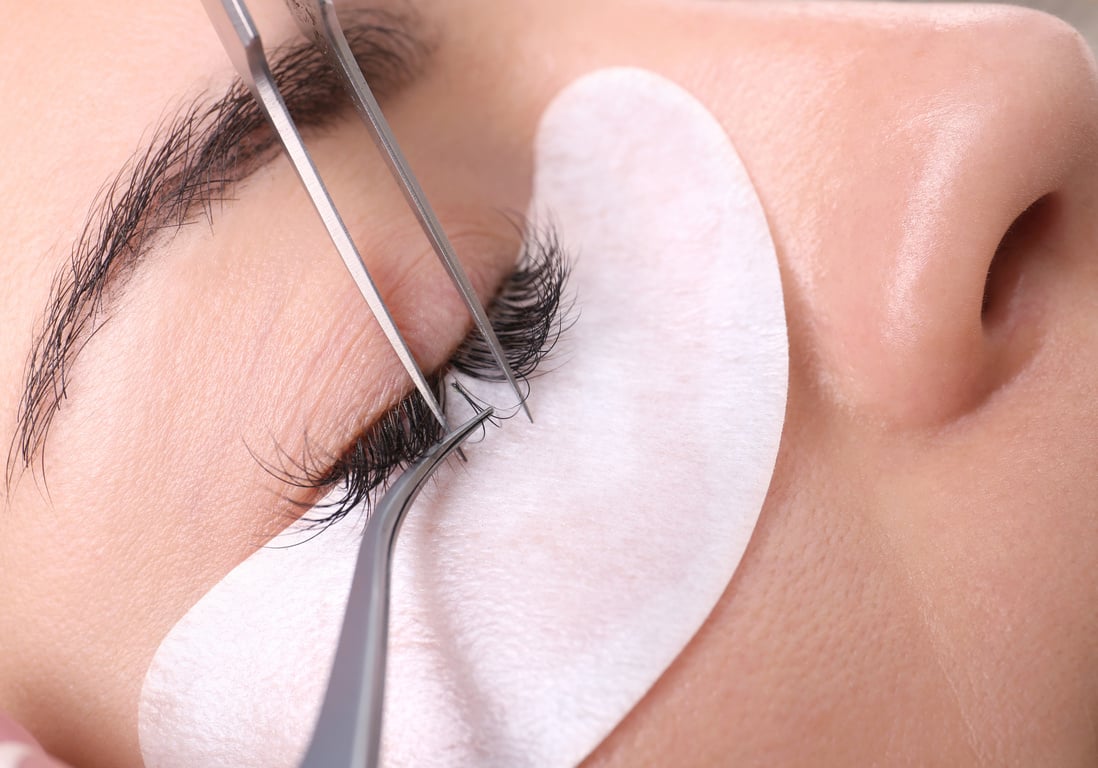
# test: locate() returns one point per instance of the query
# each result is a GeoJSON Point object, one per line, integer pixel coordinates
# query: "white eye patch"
{"type": "Point", "coordinates": [540, 590]}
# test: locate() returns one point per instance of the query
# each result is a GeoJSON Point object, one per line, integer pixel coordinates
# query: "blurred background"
{"type": "Point", "coordinates": [1081, 14]}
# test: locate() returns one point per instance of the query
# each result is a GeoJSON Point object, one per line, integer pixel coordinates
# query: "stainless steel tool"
{"type": "Point", "coordinates": [317, 19]}
{"type": "Point", "coordinates": [348, 732]}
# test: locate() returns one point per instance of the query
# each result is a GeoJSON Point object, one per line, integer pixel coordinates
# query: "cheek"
{"type": "Point", "coordinates": [542, 589]}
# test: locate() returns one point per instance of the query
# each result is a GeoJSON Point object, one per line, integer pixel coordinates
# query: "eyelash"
{"type": "Point", "coordinates": [529, 315]}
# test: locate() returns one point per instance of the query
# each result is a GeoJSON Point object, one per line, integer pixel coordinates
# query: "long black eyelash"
{"type": "Point", "coordinates": [529, 315]}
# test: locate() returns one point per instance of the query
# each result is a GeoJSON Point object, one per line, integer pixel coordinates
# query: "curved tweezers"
{"type": "Point", "coordinates": [348, 732]}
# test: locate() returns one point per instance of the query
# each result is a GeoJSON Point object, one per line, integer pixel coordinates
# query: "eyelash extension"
{"type": "Point", "coordinates": [529, 315]}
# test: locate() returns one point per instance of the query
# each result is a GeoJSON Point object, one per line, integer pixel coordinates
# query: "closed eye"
{"type": "Point", "coordinates": [529, 314]}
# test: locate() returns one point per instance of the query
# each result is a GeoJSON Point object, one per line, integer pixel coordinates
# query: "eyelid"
{"type": "Point", "coordinates": [193, 161]}
{"type": "Point", "coordinates": [529, 314]}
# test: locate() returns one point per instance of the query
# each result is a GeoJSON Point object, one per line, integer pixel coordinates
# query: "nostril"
{"type": "Point", "coordinates": [1024, 240]}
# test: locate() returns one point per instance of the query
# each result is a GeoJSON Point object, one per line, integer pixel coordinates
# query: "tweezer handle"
{"type": "Point", "coordinates": [319, 22]}
{"type": "Point", "coordinates": [241, 40]}
{"type": "Point", "coordinates": [348, 731]}
{"type": "Point", "coordinates": [239, 36]}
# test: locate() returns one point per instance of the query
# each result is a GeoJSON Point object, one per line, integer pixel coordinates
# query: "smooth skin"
{"type": "Point", "coordinates": [920, 588]}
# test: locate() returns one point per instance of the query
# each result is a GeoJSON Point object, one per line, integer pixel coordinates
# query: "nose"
{"type": "Point", "coordinates": [961, 217]}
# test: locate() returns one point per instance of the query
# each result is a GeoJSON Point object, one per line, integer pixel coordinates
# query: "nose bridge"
{"type": "Point", "coordinates": [1001, 115]}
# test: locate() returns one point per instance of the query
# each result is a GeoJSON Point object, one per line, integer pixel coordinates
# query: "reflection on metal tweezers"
{"type": "Point", "coordinates": [317, 19]}
{"type": "Point", "coordinates": [348, 731]}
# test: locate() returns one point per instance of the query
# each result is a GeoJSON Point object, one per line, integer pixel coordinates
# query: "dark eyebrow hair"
{"type": "Point", "coordinates": [192, 162]}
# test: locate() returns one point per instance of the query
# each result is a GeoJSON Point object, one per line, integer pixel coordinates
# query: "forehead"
{"type": "Point", "coordinates": [86, 84]}
{"type": "Point", "coordinates": [84, 87]}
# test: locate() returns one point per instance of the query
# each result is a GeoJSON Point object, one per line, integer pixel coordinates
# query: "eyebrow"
{"type": "Point", "coordinates": [193, 161]}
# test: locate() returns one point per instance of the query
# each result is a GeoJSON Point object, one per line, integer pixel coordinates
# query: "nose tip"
{"type": "Point", "coordinates": [998, 129]}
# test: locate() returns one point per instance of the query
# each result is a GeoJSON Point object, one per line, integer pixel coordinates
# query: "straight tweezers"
{"type": "Point", "coordinates": [317, 19]}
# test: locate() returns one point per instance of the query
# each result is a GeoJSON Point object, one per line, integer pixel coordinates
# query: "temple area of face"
{"type": "Point", "coordinates": [190, 167]}
{"type": "Point", "coordinates": [278, 347]}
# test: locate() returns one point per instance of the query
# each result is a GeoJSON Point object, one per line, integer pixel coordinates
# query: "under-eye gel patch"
{"type": "Point", "coordinates": [13, 754]}
{"type": "Point", "coordinates": [541, 589]}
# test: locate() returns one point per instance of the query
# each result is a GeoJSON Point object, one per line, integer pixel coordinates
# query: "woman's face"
{"type": "Point", "coordinates": [920, 583]}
